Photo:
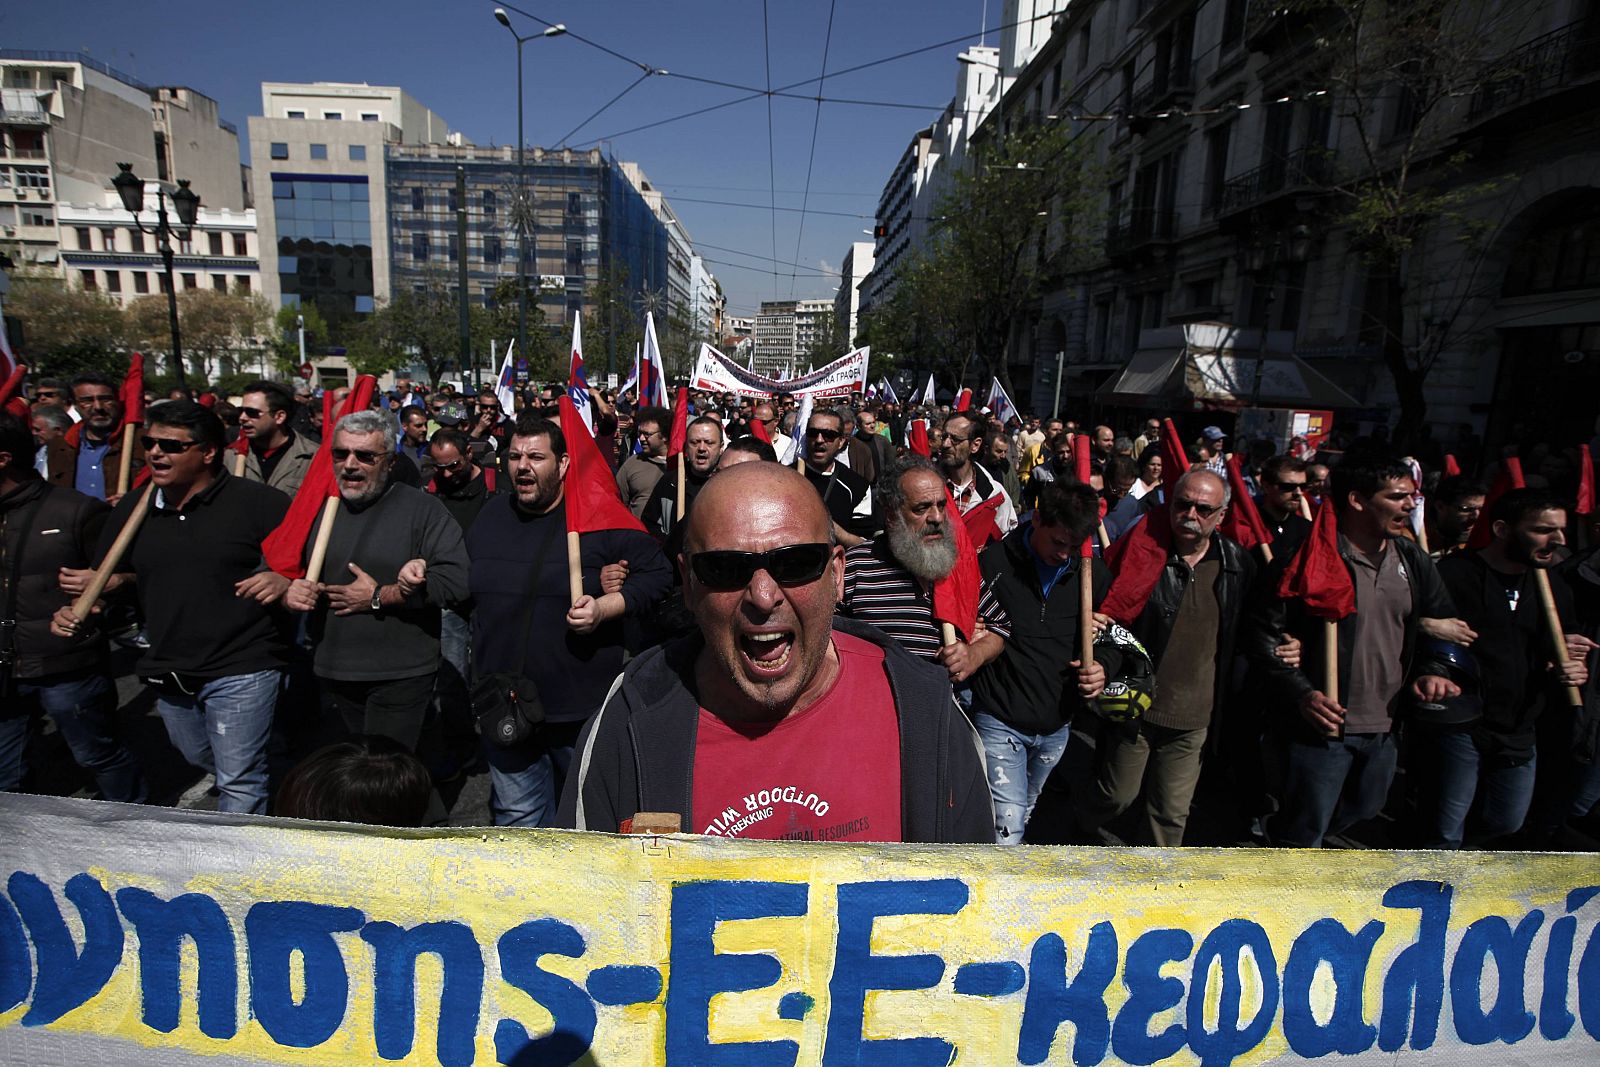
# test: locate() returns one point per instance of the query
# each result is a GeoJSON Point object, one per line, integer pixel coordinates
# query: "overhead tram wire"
{"type": "Point", "coordinates": [772, 166]}
{"type": "Point", "coordinates": [811, 159]}
{"type": "Point", "coordinates": [604, 107]}
{"type": "Point", "coordinates": [773, 207]}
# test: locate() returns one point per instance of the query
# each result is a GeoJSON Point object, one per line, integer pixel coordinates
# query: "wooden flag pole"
{"type": "Point", "coordinates": [574, 565]}
{"type": "Point", "coordinates": [238, 464]}
{"type": "Point", "coordinates": [678, 515]}
{"type": "Point", "coordinates": [1086, 607]}
{"type": "Point", "coordinates": [947, 633]}
{"type": "Point", "coordinates": [1266, 552]}
{"type": "Point", "coordinates": [319, 547]}
{"type": "Point", "coordinates": [1330, 664]}
{"type": "Point", "coordinates": [125, 463]}
{"type": "Point", "coordinates": [1105, 538]}
{"type": "Point", "coordinates": [119, 548]}
{"type": "Point", "coordinates": [1305, 508]}
{"type": "Point", "coordinates": [1547, 601]}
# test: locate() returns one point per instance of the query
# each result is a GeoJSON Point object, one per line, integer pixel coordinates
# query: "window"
{"type": "Point", "coordinates": [166, 282]}
{"type": "Point", "coordinates": [489, 203]}
{"type": "Point", "coordinates": [37, 216]}
{"type": "Point", "coordinates": [136, 240]}
{"type": "Point", "coordinates": [289, 300]}
{"type": "Point", "coordinates": [419, 246]}
{"type": "Point", "coordinates": [88, 279]}
{"type": "Point", "coordinates": [1216, 165]}
{"type": "Point", "coordinates": [216, 243]}
{"type": "Point", "coordinates": [141, 282]}
{"type": "Point", "coordinates": [1232, 24]}
{"type": "Point", "coordinates": [369, 116]}
{"type": "Point", "coordinates": [241, 245]}
{"type": "Point", "coordinates": [363, 305]}
{"type": "Point", "coordinates": [113, 281]}
{"type": "Point", "coordinates": [452, 250]}
{"type": "Point", "coordinates": [83, 238]}
{"type": "Point", "coordinates": [333, 116]}
{"type": "Point", "coordinates": [219, 282]}
{"type": "Point", "coordinates": [1083, 48]}
{"type": "Point", "coordinates": [418, 198]}
{"type": "Point", "coordinates": [1203, 293]}
{"type": "Point", "coordinates": [1055, 84]}
{"type": "Point", "coordinates": [452, 201]}
{"type": "Point", "coordinates": [241, 283]}
{"type": "Point", "coordinates": [33, 178]}
{"type": "Point", "coordinates": [491, 250]}
{"type": "Point", "coordinates": [191, 281]}
{"type": "Point", "coordinates": [279, 150]}
{"type": "Point", "coordinates": [319, 151]}
{"type": "Point", "coordinates": [574, 204]}
{"type": "Point", "coordinates": [108, 238]}
{"type": "Point", "coordinates": [574, 257]}
{"type": "Point", "coordinates": [358, 153]}
{"type": "Point", "coordinates": [294, 114]}
{"type": "Point", "coordinates": [1561, 254]}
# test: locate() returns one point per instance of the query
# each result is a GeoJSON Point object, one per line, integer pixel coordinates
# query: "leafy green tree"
{"type": "Point", "coordinates": [502, 324]}
{"type": "Point", "coordinates": [612, 324]}
{"type": "Point", "coordinates": [285, 340]}
{"type": "Point", "coordinates": [67, 331]}
{"type": "Point", "coordinates": [217, 326]}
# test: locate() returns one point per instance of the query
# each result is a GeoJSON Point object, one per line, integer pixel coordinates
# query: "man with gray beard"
{"type": "Point", "coordinates": [395, 558]}
{"type": "Point", "coordinates": [888, 581]}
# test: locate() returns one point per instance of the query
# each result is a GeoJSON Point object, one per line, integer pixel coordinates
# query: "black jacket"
{"type": "Point", "coordinates": [1512, 650]}
{"type": "Point", "coordinates": [1235, 579]}
{"type": "Point", "coordinates": [1270, 617]}
{"type": "Point", "coordinates": [1582, 575]}
{"type": "Point", "coordinates": [637, 752]}
{"type": "Point", "coordinates": [63, 526]}
{"type": "Point", "coordinates": [1031, 685]}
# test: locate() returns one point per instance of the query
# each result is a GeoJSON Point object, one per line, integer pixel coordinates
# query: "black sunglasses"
{"type": "Point", "coordinates": [251, 413]}
{"type": "Point", "coordinates": [825, 434]}
{"type": "Point", "coordinates": [363, 457]}
{"type": "Point", "coordinates": [166, 445]}
{"type": "Point", "coordinates": [1205, 511]}
{"type": "Point", "coordinates": [1291, 487]}
{"type": "Point", "coordinates": [790, 565]}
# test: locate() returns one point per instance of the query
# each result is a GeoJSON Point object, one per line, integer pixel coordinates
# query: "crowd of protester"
{"type": "Point", "coordinates": [776, 627]}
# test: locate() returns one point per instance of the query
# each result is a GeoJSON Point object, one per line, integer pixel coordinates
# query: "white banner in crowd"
{"type": "Point", "coordinates": [715, 372]}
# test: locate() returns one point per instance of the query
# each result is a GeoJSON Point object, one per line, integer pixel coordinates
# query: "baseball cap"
{"type": "Point", "coordinates": [452, 414]}
{"type": "Point", "coordinates": [1213, 433]}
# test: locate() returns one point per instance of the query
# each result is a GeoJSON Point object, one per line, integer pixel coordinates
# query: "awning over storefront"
{"type": "Point", "coordinates": [1214, 365]}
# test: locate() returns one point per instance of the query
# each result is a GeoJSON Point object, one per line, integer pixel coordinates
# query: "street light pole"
{"type": "Point", "coordinates": [187, 206]}
{"type": "Point", "coordinates": [524, 210]}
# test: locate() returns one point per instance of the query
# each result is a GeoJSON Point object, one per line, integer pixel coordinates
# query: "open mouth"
{"type": "Point", "coordinates": [767, 653]}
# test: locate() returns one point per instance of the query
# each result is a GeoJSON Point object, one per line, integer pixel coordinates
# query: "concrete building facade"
{"type": "Point", "coordinates": [854, 269]}
{"type": "Point", "coordinates": [102, 250]}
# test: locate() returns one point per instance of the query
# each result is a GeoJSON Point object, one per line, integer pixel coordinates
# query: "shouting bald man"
{"type": "Point", "coordinates": [777, 720]}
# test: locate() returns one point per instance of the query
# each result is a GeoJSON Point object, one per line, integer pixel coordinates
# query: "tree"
{"type": "Point", "coordinates": [1018, 216]}
{"type": "Point", "coordinates": [285, 340]}
{"type": "Point", "coordinates": [67, 331]}
{"type": "Point", "coordinates": [213, 327]}
{"type": "Point", "coordinates": [502, 321]}
{"type": "Point", "coordinates": [828, 345]}
{"type": "Point", "coordinates": [612, 325]}
{"type": "Point", "coordinates": [423, 325]}
{"type": "Point", "coordinates": [1401, 75]}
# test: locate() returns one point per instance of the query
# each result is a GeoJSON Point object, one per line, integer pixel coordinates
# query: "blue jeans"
{"type": "Point", "coordinates": [84, 709]}
{"type": "Point", "coordinates": [223, 728]}
{"type": "Point", "coordinates": [1452, 773]}
{"type": "Point", "coordinates": [525, 782]}
{"type": "Point", "coordinates": [1018, 764]}
{"type": "Point", "coordinates": [1331, 785]}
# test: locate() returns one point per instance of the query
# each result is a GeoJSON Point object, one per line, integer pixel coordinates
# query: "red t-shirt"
{"type": "Point", "coordinates": [830, 772]}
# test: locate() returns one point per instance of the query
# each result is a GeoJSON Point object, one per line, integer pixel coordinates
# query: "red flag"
{"type": "Point", "coordinates": [12, 384]}
{"type": "Point", "coordinates": [758, 430]}
{"type": "Point", "coordinates": [1316, 572]}
{"type": "Point", "coordinates": [133, 391]}
{"type": "Point", "coordinates": [1136, 560]}
{"type": "Point", "coordinates": [1585, 502]}
{"type": "Point", "coordinates": [284, 547]}
{"type": "Point", "coordinates": [680, 422]}
{"type": "Point", "coordinates": [1509, 478]}
{"type": "Point", "coordinates": [964, 400]}
{"type": "Point", "coordinates": [955, 596]}
{"type": "Point", "coordinates": [917, 437]}
{"type": "Point", "coordinates": [1174, 461]}
{"type": "Point", "coordinates": [240, 444]}
{"type": "Point", "coordinates": [1452, 469]}
{"type": "Point", "coordinates": [591, 490]}
{"type": "Point", "coordinates": [1243, 521]}
{"type": "Point", "coordinates": [982, 522]}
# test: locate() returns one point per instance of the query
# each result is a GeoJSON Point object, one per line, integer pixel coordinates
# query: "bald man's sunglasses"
{"type": "Point", "coordinates": [790, 565]}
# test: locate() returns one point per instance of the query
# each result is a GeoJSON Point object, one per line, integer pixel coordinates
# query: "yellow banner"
{"type": "Point", "coordinates": [139, 936]}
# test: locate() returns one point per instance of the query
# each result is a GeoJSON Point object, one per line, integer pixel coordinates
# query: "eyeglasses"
{"type": "Point", "coordinates": [167, 445]}
{"type": "Point", "coordinates": [953, 439]}
{"type": "Point", "coordinates": [1205, 511]}
{"type": "Point", "coordinates": [1290, 487]}
{"type": "Point", "coordinates": [251, 413]}
{"type": "Point", "coordinates": [451, 468]}
{"type": "Point", "coordinates": [825, 434]}
{"type": "Point", "coordinates": [791, 565]}
{"type": "Point", "coordinates": [363, 457]}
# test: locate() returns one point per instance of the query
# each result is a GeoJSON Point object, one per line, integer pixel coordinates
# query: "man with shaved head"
{"type": "Point", "coordinates": [776, 720]}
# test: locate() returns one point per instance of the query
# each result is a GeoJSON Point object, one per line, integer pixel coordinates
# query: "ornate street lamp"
{"type": "Point", "coordinates": [186, 205]}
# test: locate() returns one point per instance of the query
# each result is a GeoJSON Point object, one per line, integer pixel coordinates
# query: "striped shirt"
{"type": "Point", "coordinates": [878, 590]}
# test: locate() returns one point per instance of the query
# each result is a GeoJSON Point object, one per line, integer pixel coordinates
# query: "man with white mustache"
{"type": "Point", "coordinates": [395, 558]}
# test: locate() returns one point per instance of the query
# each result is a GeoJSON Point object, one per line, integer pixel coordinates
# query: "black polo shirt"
{"type": "Point", "coordinates": [187, 562]}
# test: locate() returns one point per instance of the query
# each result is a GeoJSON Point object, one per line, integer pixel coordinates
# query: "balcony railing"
{"type": "Point", "coordinates": [1297, 170]}
{"type": "Point", "coordinates": [1538, 68]}
{"type": "Point", "coordinates": [1174, 87]}
{"type": "Point", "coordinates": [1142, 226]}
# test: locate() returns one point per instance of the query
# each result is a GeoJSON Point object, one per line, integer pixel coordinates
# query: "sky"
{"type": "Point", "coordinates": [454, 57]}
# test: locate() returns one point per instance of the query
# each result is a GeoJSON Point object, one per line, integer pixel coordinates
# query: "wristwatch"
{"type": "Point", "coordinates": [377, 599]}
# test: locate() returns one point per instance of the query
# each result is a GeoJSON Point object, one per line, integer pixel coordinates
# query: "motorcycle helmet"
{"type": "Point", "coordinates": [1129, 695]}
{"type": "Point", "coordinates": [1461, 667]}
